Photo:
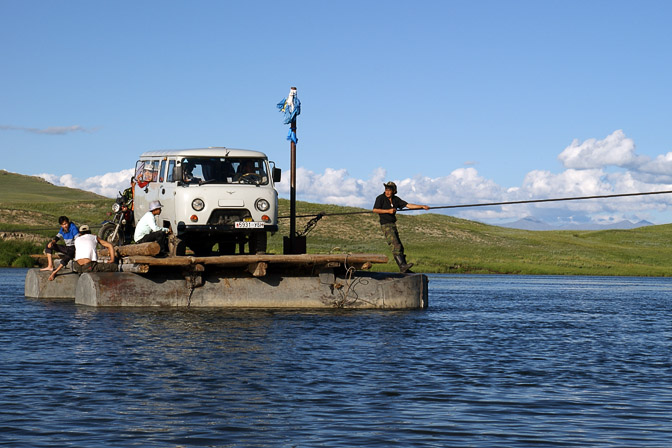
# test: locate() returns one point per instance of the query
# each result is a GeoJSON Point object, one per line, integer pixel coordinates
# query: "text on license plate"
{"type": "Point", "coordinates": [249, 225]}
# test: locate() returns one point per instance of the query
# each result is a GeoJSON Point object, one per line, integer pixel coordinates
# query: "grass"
{"type": "Point", "coordinates": [442, 244]}
{"type": "Point", "coordinates": [435, 243]}
{"type": "Point", "coordinates": [30, 207]}
{"type": "Point", "coordinates": [20, 188]}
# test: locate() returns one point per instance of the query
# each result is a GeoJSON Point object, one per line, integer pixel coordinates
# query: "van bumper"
{"type": "Point", "coordinates": [222, 228]}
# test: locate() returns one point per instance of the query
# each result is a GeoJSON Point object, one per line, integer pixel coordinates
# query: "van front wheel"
{"type": "Point", "coordinates": [258, 243]}
{"type": "Point", "coordinates": [201, 249]}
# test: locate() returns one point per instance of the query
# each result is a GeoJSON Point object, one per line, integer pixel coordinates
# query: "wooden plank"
{"type": "Point", "coordinates": [246, 260]}
{"type": "Point", "coordinates": [294, 259]}
{"type": "Point", "coordinates": [168, 261]}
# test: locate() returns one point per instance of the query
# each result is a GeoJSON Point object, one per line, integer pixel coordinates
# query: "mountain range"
{"type": "Point", "coordinates": [530, 223]}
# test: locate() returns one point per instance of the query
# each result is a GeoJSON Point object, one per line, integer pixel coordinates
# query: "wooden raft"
{"type": "Point", "coordinates": [139, 258]}
{"type": "Point", "coordinates": [257, 264]}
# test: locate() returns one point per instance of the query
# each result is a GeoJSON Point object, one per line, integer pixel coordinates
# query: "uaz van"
{"type": "Point", "coordinates": [210, 196]}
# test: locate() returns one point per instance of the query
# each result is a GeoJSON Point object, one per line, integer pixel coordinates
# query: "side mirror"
{"type": "Point", "coordinates": [277, 175]}
{"type": "Point", "coordinates": [177, 174]}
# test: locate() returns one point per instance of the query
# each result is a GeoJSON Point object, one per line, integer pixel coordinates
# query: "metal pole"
{"type": "Point", "coordinates": [292, 192]}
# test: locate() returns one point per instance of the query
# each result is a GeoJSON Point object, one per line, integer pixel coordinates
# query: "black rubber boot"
{"type": "Point", "coordinates": [404, 267]}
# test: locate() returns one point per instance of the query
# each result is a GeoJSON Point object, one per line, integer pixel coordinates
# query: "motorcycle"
{"type": "Point", "coordinates": [119, 230]}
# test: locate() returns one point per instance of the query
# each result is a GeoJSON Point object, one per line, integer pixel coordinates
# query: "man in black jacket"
{"type": "Point", "coordinates": [386, 206]}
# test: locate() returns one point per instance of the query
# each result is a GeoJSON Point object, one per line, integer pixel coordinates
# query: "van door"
{"type": "Point", "coordinates": [147, 187]}
{"type": "Point", "coordinates": [167, 196]}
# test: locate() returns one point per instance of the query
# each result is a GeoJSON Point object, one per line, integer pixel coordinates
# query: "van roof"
{"type": "Point", "coordinates": [219, 151]}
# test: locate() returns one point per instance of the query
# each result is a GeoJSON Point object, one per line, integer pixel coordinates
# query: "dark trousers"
{"type": "Point", "coordinates": [94, 266]}
{"type": "Point", "coordinates": [159, 236]}
{"type": "Point", "coordinates": [392, 237]}
{"type": "Point", "coordinates": [68, 252]}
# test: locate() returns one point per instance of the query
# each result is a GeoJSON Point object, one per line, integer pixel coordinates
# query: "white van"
{"type": "Point", "coordinates": [210, 196]}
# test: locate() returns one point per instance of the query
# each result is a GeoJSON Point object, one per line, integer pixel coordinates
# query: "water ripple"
{"type": "Point", "coordinates": [495, 361]}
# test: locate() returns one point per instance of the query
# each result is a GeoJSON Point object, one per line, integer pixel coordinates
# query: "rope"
{"type": "Point", "coordinates": [488, 204]}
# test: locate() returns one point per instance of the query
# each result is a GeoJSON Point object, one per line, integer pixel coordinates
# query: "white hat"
{"type": "Point", "coordinates": [154, 205]}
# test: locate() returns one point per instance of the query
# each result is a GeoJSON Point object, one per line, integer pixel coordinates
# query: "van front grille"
{"type": "Point", "coordinates": [228, 217]}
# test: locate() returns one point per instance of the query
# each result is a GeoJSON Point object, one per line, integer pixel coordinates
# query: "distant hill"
{"type": "Point", "coordinates": [20, 188]}
{"type": "Point", "coordinates": [530, 223]}
{"type": "Point", "coordinates": [30, 206]}
{"type": "Point", "coordinates": [434, 242]}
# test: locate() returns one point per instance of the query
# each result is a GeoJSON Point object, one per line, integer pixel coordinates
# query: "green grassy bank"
{"type": "Point", "coordinates": [443, 244]}
{"type": "Point", "coordinates": [435, 243]}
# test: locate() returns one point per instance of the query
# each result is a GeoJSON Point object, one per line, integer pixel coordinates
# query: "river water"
{"type": "Point", "coordinates": [513, 361]}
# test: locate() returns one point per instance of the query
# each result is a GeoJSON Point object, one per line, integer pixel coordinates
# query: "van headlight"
{"type": "Point", "coordinates": [198, 204]}
{"type": "Point", "coordinates": [262, 205]}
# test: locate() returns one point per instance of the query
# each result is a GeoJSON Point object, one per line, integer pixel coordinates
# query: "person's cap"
{"type": "Point", "coordinates": [391, 185]}
{"type": "Point", "coordinates": [154, 205]}
{"type": "Point", "coordinates": [84, 228]}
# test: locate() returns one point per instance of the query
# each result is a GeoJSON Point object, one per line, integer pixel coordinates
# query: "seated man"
{"type": "Point", "coordinates": [247, 172]}
{"type": "Point", "coordinates": [68, 232]}
{"type": "Point", "coordinates": [188, 172]}
{"type": "Point", "coordinates": [147, 230]}
{"type": "Point", "coordinates": [86, 256]}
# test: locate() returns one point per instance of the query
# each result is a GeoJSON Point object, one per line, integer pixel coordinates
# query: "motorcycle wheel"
{"type": "Point", "coordinates": [106, 231]}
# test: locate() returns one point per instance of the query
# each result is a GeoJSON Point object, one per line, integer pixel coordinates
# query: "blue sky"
{"type": "Point", "coordinates": [457, 101]}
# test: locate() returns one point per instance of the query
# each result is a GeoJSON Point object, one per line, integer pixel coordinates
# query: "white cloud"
{"type": "Point", "coordinates": [616, 150]}
{"type": "Point", "coordinates": [106, 184]}
{"type": "Point", "coordinates": [587, 174]}
{"type": "Point", "coordinates": [52, 130]}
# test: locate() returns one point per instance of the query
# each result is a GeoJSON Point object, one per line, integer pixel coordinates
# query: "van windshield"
{"type": "Point", "coordinates": [225, 170]}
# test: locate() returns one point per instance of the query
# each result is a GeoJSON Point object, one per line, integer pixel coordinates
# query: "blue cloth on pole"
{"type": "Point", "coordinates": [292, 136]}
{"type": "Point", "coordinates": [291, 110]}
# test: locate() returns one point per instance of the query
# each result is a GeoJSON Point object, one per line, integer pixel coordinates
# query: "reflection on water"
{"type": "Point", "coordinates": [495, 360]}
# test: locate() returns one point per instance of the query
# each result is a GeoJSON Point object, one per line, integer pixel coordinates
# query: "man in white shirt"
{"type": "Point", "coordinates": [86, 255]}
{"type": "Point", "coordinates": [147, 230]}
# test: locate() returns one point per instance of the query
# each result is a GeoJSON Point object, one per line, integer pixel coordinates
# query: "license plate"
{"type": "Point", "coordinates": [249, 225]}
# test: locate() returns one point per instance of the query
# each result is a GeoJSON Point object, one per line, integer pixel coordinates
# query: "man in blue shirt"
{"type": "Point", "coordinates": [68, 232]}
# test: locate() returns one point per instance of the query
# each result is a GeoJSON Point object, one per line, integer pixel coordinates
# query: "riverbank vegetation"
{"type": "Point", "coordinates": [435, 243]}
{"type": "Point", "coordinates": [444, 244]}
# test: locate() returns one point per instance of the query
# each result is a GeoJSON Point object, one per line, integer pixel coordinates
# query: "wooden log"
{"type": "Point", "coordinates": [135, 268]}
{"type": "Point", "coordinates": [257, 269]}
{"type": "Point", "coordinates": [322, 259]}
{"type": "Point", "coordinates": [168, 261]}
{"type": "Point", "coordinates": [245, 260]}
{"type": "Point", "coordinates": [146, 249]}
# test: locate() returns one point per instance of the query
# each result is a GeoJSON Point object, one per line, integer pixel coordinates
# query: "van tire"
{"type": "Point", "coordinates": [180, 248]}
{"type": "Point", "coordinates": [227, 248]}
{"type": "Point", "coordinates": [201, 249]}
{"type": "Point", "coordinates": [258, 243]}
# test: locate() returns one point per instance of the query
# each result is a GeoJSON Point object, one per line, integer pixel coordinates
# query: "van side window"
{"type": "Point", "coordinates": [170, 175]}
{"type": "Point", "coordinates": [162, 170]}
{"type": "Point", "coordinates": [140, 173]}
{"type": "Point", "coordinates": [146, 171]}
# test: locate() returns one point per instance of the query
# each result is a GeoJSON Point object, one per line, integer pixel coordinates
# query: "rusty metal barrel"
{"type": "Point", "coordinates": [38, 285]}
{"type": "Point", "coordinates": [362, 290]}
